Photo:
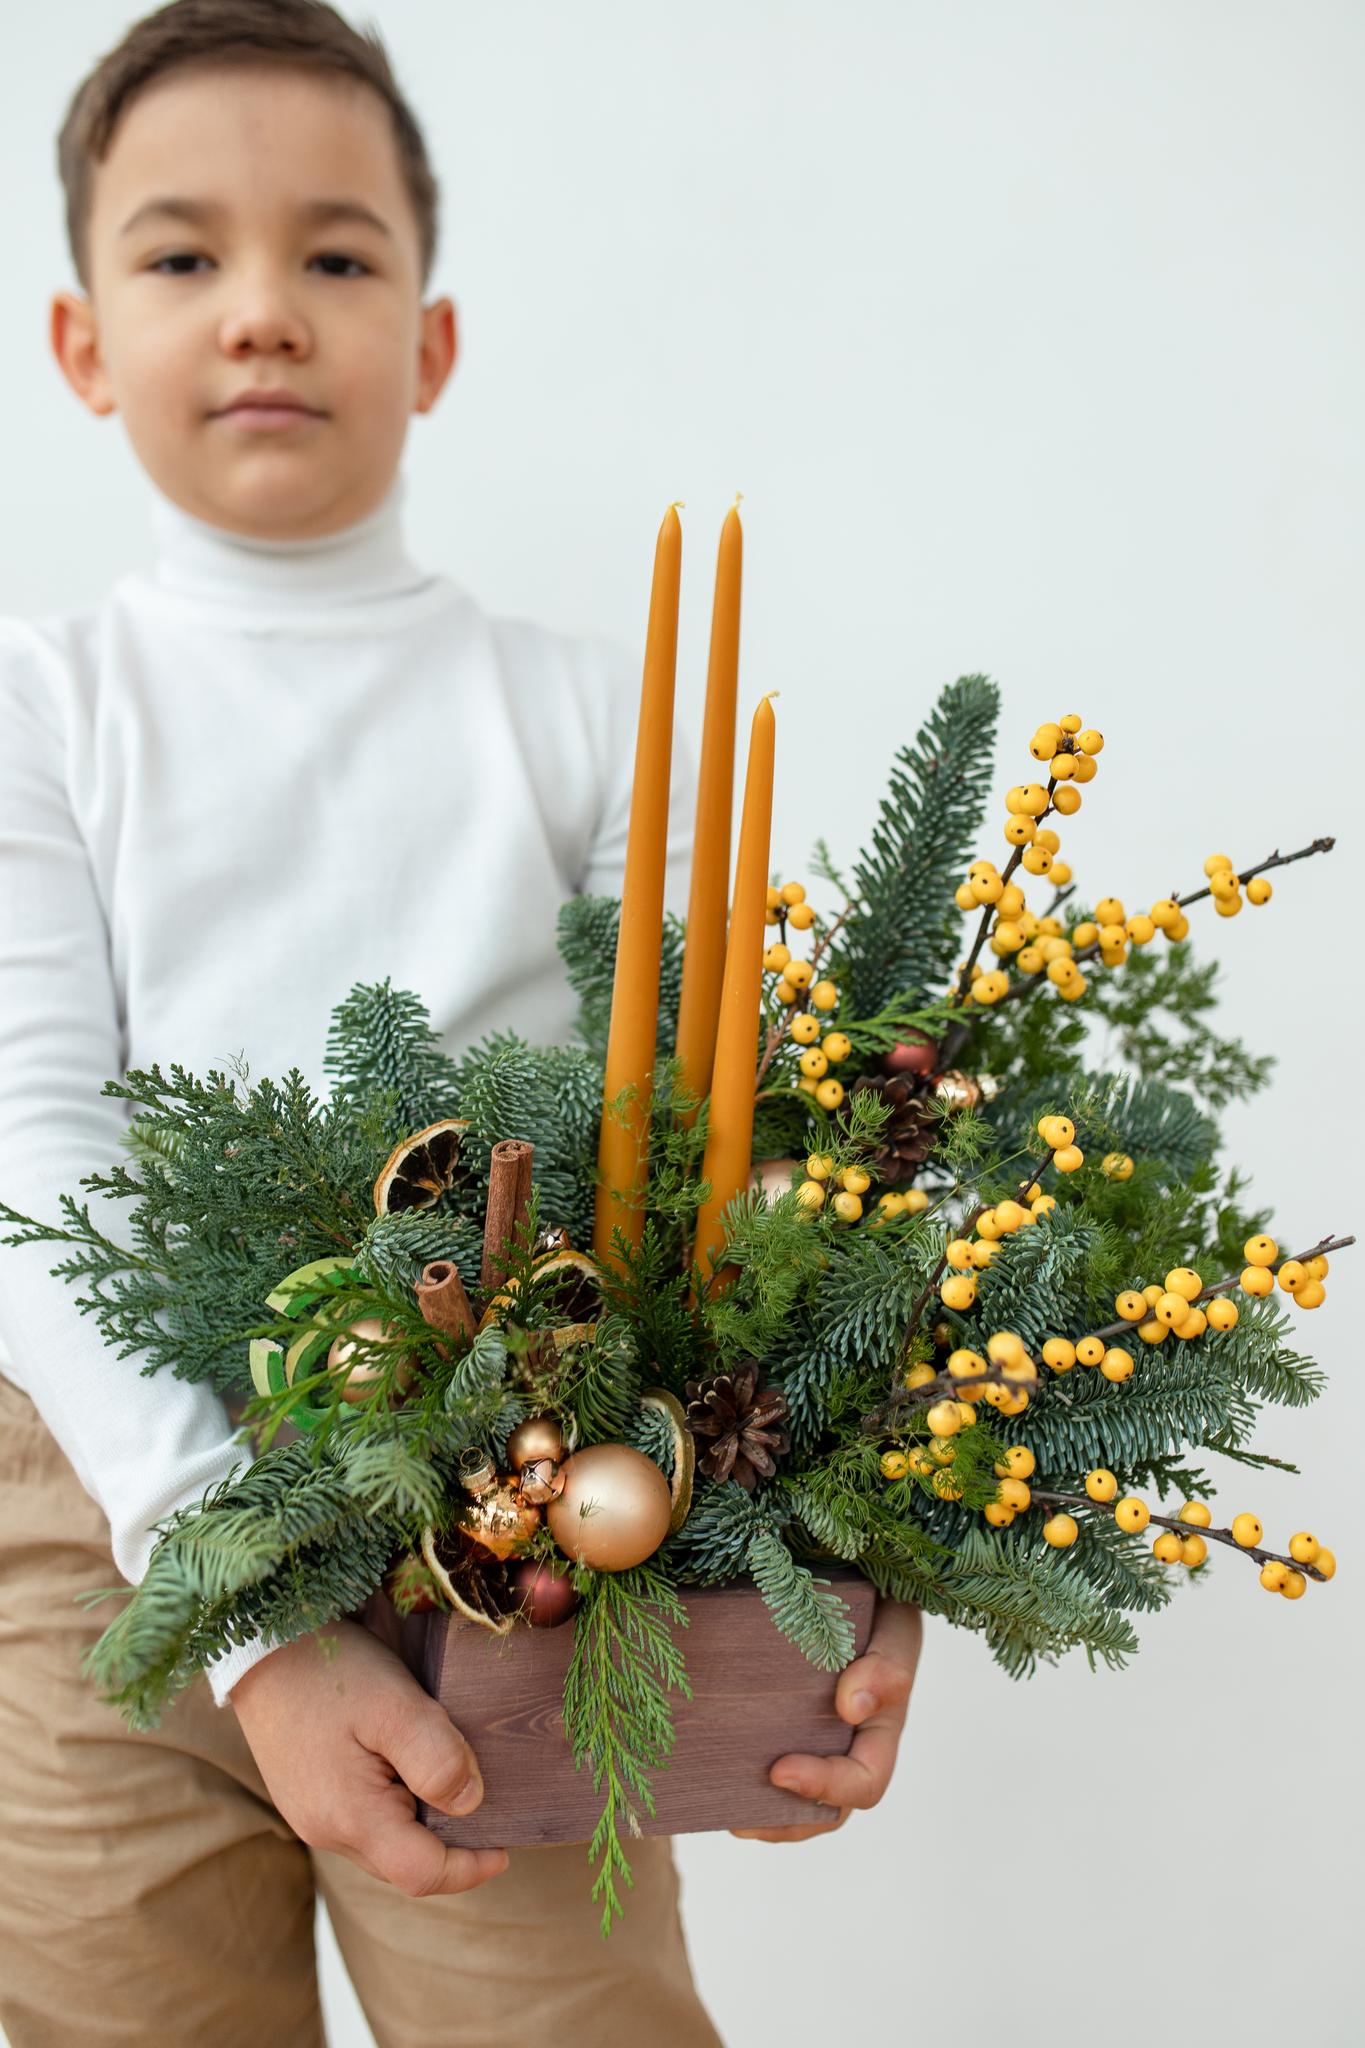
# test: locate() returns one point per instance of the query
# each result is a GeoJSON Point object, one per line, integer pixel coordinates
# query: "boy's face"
{"type": "Point", "coordinates": [184, 316]}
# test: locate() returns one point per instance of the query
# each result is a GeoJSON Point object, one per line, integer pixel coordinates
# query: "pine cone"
{"type": "Point", "coordinates": [908, 1135]}
{"type": "Point", "coordinates": [739, 1423]}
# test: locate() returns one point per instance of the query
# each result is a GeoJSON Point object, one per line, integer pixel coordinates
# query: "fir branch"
{"type": "Point", "coordinates": [807, 1610]}
{"type": "Point", "coordinates": [901, 934]}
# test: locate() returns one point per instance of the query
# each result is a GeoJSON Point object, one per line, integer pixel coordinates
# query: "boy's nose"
{"type": "Point", "coordinates": [264, 328]}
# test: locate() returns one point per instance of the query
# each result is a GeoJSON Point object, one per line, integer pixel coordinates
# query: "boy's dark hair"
{"type": "Point", "coordinates": [305, 33]}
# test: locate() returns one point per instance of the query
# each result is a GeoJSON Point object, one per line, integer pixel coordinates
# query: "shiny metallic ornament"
{"type": "Point", "coordinates": [614, 1510]}
{"type": "Point", "coordinates": [495, 1516]}
{"type": "Point", "coordinates": [958, 1090]}
{"type": "Point", "coordinates": [540, 1436]}
{"type": "Point", "coordinates": [540, 1480]}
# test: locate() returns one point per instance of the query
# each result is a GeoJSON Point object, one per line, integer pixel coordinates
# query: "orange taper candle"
{"type": "Point", "coordinates": [730, 1126]}
{"type": "Point", "coordinates": [623, 1148]}
{"type": "Point", "coordinates": [704, 948]}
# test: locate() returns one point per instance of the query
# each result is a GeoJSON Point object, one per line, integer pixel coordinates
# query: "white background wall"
{"type": "Point", "coordinates": [1031, 333]}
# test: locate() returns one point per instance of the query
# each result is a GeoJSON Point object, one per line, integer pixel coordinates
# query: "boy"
{"type": "Point", "coordinates": [286, 761]}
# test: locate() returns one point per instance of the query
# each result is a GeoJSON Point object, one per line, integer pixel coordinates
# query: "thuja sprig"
{"type": "Point", "coordinates": [617, 1714]}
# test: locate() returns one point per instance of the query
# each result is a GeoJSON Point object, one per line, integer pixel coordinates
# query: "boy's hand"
{"type": "Point", "coordinates": [873, 1693]}
{"type": "Point", "coordinates": [344, 1738]}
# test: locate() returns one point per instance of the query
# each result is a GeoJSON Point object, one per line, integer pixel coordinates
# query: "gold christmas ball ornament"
{"type": "Point", "coordinates": [614, 1510]}
{"type": "Point", "coordinates": [359, 1374]}
{"type": "Point", "coordinates": [959, 1090]}
{"type": "Point", "coordinates": [538, 1438]}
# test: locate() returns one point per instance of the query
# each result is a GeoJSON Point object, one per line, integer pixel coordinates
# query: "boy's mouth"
{"type": "Point", "coordinates": [267, 411]}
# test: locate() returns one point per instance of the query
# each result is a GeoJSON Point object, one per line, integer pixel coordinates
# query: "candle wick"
{"type": "Point", "coordinates": [738, 496]}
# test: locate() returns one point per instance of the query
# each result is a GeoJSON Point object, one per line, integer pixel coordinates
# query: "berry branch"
{"type": "Point", "coordinates": [898, 1392]}
{"type": "Point", "coordinates": [1083, 1500]}
{"type": "Point", "coordinates": [777, 1032]}
{"type": "Point", "coordinates": [947, 1386]}
{"type": "Point", "coordinates": [964, 980]}
{"type": "Point", "coordinates": [959, 1032]}
{"type": "Point", "coordinates": [1328, 1244]}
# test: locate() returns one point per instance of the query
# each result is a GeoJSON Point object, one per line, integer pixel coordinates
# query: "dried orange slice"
{"type": "Point", "coordinates": [419, 1170]}
{"type": "Point", "coordinates": [573, 1286]}
{"type": "Point", "coordinates": [684, 1451]}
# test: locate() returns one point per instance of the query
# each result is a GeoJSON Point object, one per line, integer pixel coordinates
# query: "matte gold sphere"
{"type": "Point", "coordinates": [359, 1377]}
{"type": "Point", "coordinates": [614, 1510]}
{"type": "Point", "coordinates": [540, 1436]}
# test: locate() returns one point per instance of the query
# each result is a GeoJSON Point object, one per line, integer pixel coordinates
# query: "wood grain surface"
{"type": "Point", "coordinates": [755, 1698]}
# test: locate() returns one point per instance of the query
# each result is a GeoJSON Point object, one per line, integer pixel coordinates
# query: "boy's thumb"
{"type": "Point", "coordinates": [433, 1759]}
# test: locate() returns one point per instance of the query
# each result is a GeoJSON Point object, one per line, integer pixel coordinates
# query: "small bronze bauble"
{"type": "Point", "coordinates": [540, 1480]}
{"type": "Point", "coordinates": [544, 1597]}
{"type": "Point", "coordinates": [910, 1056]}
{"type": "Point", "coordinates": [540, 1436]}
{"type": "Point", "coordinates": [615, 1508]}
{"type": "Point", "coordinates": [358, 1379]}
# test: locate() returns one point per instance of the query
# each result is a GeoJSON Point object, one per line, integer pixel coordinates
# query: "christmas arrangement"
{"type": "Point", "coordinates": [823, 1245]}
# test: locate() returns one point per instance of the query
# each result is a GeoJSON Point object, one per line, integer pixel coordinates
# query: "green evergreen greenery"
{"type": "Point", "coordinates": [231, 1185]}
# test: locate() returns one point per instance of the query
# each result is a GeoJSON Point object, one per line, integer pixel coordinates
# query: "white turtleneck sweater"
{"type": "Point", "coordinates": [260, 774]}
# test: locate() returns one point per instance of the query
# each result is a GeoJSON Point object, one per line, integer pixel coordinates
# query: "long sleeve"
{"type": "Point", "coordinates": [614, 730]}
{"type": "Point", "coordinates": [141, 1446]}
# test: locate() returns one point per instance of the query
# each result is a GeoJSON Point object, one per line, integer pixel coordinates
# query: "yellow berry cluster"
{"type": "Point", "coordinates": [1301, 1279]}
{"type": "Point", "coordinates": [843, 1187]}
{"type": "Point", "coordinates": [1038, 944]}
{"type": "Point", "coordinates": [1112, 931]}
{"type": "Point", "coordinates": [1008, 1353]}
{"type": "Point", "coordinates": [1172, 1308]}
{"type": "Point", "coordinates": [1058, 1133]}
{"type": "Point", "coordinates": [1225, 886]}
{"type": "Point", "coordinates": [1279, 1577]}
{"type": "Point", "coordinates": [809, 999]}
{"type": "Point", "coordinates": [967, 1259]}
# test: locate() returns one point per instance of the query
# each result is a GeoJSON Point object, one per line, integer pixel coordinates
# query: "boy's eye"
{"type": "Point", "coordinates": [186, 256]}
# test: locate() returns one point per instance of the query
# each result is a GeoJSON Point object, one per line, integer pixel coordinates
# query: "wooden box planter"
{"type": "Point", "coordinates": [755, 1698]}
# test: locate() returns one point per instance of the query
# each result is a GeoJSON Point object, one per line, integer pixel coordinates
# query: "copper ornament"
{"type": "Point", "coordinates": [910, 1056]}
{"type": "Point", "coordinates": [540, 1480]}
{"type": "Point", "coordinates": [614, 1510]}
{"type": "Point", "coordinates": [495, 1516]}
{"type": "Point", "coordinates": [544, 1597]}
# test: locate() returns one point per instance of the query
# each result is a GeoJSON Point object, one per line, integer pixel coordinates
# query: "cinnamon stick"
{"type": "Point", "coordinates": [442, 1299]}
{"type": "Point", "coordinates": [509, 1192]}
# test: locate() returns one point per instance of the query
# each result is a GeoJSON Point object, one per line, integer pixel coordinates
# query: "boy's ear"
{"type": "Point", "coordinates": [76, 345]}
{"type": "Point", "coordinates": [437, 351]}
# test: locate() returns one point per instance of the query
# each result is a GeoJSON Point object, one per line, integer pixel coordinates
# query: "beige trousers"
{"type": "Point", "coordinates": [150, 1893]}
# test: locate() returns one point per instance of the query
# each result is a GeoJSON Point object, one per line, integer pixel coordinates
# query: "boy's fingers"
{"type": "Point", "coordinates": [858, 1779]}
{"type": "Point", "coordinates": [885, 1672]}
{"type": "Point", "coordinates": [794, 1834]}
{"type": "Point", "coordinates": [409, 1857]}
{"type": "Point", "coordinates": [429, 1754]}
